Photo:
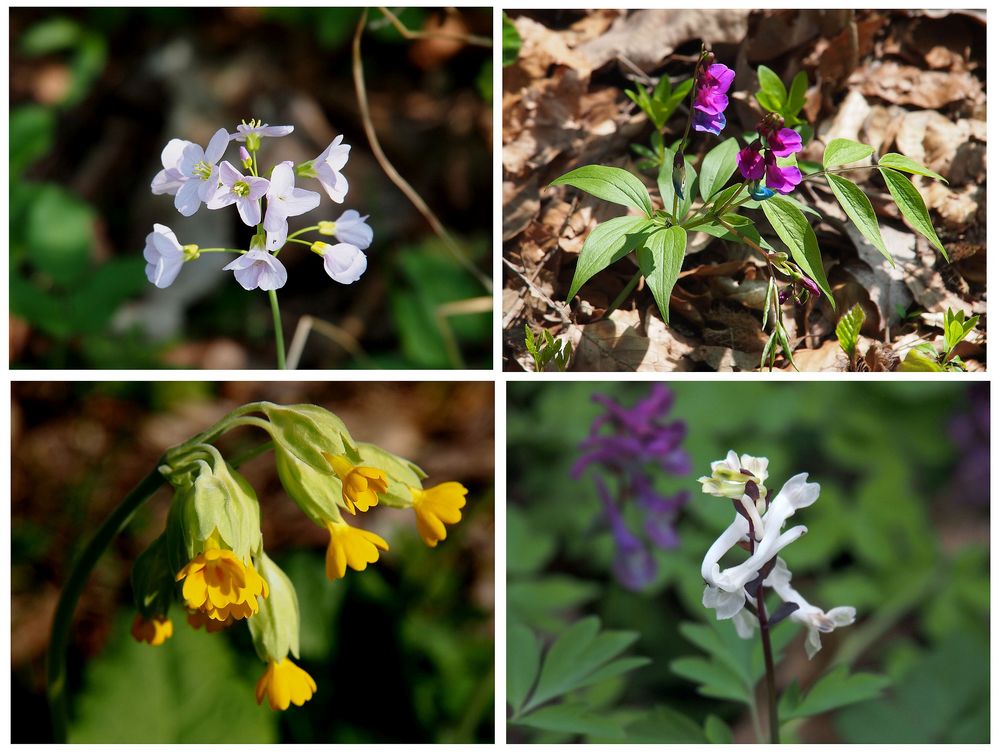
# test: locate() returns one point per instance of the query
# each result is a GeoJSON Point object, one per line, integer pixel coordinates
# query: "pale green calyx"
{"type": "Point", "coordinates": [308, 432]}
{"type": "Point", "coordinates": [275, 627]}
{"type": "Point", "coordinates": [153, 580]}
{"type": "Point", "coordinates": [401, 474]}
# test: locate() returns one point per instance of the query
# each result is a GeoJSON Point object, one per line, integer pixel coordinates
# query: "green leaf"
{"type": "Point", "coordinates": [59, 235]}
{"type": "Point", "coordinates": [30, 132]}
{"type": "Point", "coordinates": [844, 152]}
{"type": "Point", "coordinates": [198, 677]}
{"type": "Point", "coordinates": [511, 42]}
{"type": "Point", "coordinates": [660, 259]}
{"type": "Point", "coordinates": [524, 653]}
{"type": "Point", "coordinates": [837, 689]}
{"type": "Point", "coordinates": [848, 329]}
{"type": "Point", "coordinates": [611, 184]}
{"type": "Point", "coordinates": [665, 726]}
{"type": "Point", "coordinates": [573, 717]}
{"type": "Point", "coordinates": [664, 182]}
{"type": "Point", "coordinates": [714, 680]}
{"type": "Point", "coordinates": [772, 95]}
{"type": "Point", "coordinates": [716, 731]}
{"type": "Point", "coordinates": [797, 234]}
{"type": "Point", "coordinates": [608, 242]}
{"type": "Point", "coordinates": [916, 361]}
{"type": "Point", "coordinates": [536, 600]}
{"type": "Point", "coordinates": [858, 208]}
{"type": "Point", "coordinates": [578, 653]}
{"type": "Point", "coordinates": [912, 206]}
{"type": "Point", "coordinates": [796, 97]}
{"type": "Point", "coordinates": [718, 167]}
{"type": "Point", "coordinates": [899, 162]}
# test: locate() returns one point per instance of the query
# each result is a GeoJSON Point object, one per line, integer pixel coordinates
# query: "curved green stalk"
{"type": "Point", "coordinates": [82, 568]}
{"type": "Point", "coordinates": [279, 336]}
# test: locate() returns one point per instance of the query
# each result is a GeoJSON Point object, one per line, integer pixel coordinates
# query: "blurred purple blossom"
{"type": "Point", "coordinates": [971, 434]}
{"type": "Point", "coordinates": [627, 444]}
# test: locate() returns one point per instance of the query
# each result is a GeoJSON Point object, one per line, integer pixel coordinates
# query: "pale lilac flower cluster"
{"type": "Point", "coordinates": [625, 444]}
{"type": "Point", "coordinates": [195, 176]}
{"type": "Point", "coordinates": [758, 528]}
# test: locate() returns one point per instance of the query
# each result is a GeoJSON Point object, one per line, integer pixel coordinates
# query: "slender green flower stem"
{"type": "Point", "coordinates": [82, 568]}
{"type": "Point", "coordinates": [620, 298]}
{"type": "Point", "coordinates": [279, 336]}
{"type": "Point", "coordinates": [301, 231]}
{"type": "Point", "coordinates": [298, 240]}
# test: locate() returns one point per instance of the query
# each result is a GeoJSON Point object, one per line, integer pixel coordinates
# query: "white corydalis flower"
{"type": "Point", "coordinates": [164, 256]}
{"type": "Point", "coordinates": [284, 201]}
{"type": "Point", "coordinates": [190, 174]}
{"type": "Point", "coordinates": [328, 166]}
{"type": "Point", "coordinates": [245, 191]}
{"type": "Point", "coordinates": [740, 478]}
{"type": "Point", "coordinates": [258, 269]}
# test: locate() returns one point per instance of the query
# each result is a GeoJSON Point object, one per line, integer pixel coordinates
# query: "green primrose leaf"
{"type": "Point", "coordinates": [718, 167]}
{"type": "Point", "coordinates": [912, 206]}
{"type": "Point", "coordinates": [660, 259]}
{"type": "Point", "coordinates": [859, 210]}
{"type": "Point", "coordinates": [797, 234]}
{"type": "Point", "coordinates": [611, 184]}
{"type": "Point", "coordinates": [899, 162]}
{"type": "Point", "coordinates": [608, 242]}
{"type": "Point", "coordinates": [848, 329]}
{"type": "Point", "coordinates": [511, 41]}
{"type": "Point", "coordinates": [844, 152]}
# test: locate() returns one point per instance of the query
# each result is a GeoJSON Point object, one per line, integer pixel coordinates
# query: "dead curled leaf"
{"type": "Point", "coordinates": [909, 85]}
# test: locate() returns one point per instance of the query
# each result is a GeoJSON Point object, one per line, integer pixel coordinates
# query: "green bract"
{"type": "Point", "coordinates": [307, 432]}
{"type": "Point", "coordinates": [275, 627]}
{"type": "Point", "coordinates": [318, 494]}
{"type": "Point", "coordinates": [401, 474]}
{"type": "Point", "coordinates": [153, 580]}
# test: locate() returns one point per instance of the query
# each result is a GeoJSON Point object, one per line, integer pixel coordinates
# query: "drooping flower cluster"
{"type": "Point", "coordinates": [758, 528]}
{"type": "Point", "coordinates": [710, 99]}
{"type": "Point", "coordinates": [624, 444]}
{"type": "Point", "coordinates": [758, 160]}
{"type": "Point", "coordinates": [195, 176]}
{"type": "Point", "coordinates": [211, 557]}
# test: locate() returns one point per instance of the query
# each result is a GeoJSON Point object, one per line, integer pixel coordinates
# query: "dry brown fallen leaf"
{"type": "Point", "coordinates": [909, 85]}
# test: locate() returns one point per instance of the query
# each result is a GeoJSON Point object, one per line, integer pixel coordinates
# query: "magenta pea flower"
{"type": "Point", "coordinates": [284, 201]}
{"type": "Point", "coordinates": [245, 191]}
{"type": "Point", "coordinates": [258, 269]}
{"type": "Point", "coordinates": [751, 163]}
{"type": "Point", "coordinates": [710, 99]}
{"type": "Point", "coordinates": [781, 179]}
{"type": "Point", "coordinates": [328, 166]}
{"type": "Point", "coordinates": [784, 142]}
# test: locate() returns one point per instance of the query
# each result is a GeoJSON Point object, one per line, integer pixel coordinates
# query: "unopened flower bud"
{"type": "Point", "coordinates": [308, 432]}
{"type": "Point", "coordinates": [275, 627]}
{"type": "Point", "coordinates": [245, 157]}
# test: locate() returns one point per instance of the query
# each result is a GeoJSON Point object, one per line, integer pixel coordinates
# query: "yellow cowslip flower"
{"type": "Point", "coordinates": [201, 620]}
{"type": "Point", "coordinates": [361, 484]}
{"type": "Point", "coordinates": [285, 682]}
{"type": "Point", "coordinates": [218, 584]}
{"type": "Point", "coordinates": [154, 631]}
{"type": "Point", "coordinates": [437, 506]}
{"type": "Point", "coordinates": [350, 546]}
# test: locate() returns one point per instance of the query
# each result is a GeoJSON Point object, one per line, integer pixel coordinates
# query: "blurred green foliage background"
{"type": "Point", "coordinates": [402, 652]}
{"type": "Point", "coordinates": [900, 531]}
{"type": "Point", "coordinates": [96, 93]}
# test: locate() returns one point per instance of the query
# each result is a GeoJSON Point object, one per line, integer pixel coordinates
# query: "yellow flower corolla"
{"type": "Point", "coordinates": [219, 584]}
{"type": "Point", "coordinates": [437, 506]}
{"type": "Point", "coordinates": [200, 620]}
{"type": "Point", "coordinates": [153, 631]}
{"type": "Point", "coordinates": [350, 546]}
{"type": "Point", "coordinates": [361, 484]}
{"type": "Point", "coordinates": [285, 682]}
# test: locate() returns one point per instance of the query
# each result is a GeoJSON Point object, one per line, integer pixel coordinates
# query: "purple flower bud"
{"type": "Point", "coordinates": [784, 295]}
{"type": "Point", "coordinates": [810, 285]}
{"type": "Point", "coordinates": [750, 162]}
{"type": "Point", "coordinates": [244, 156]}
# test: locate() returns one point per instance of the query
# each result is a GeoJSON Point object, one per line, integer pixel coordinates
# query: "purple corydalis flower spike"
{"type": "Point", "coordinates": [634, 565]}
